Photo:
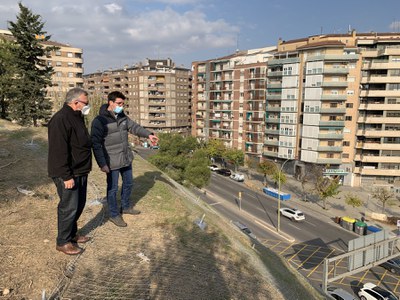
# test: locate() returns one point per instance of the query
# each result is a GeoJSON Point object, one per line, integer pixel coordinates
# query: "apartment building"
{"type": "Point", "coordinates": [332, 100]}
{"type": "Point", "coordinates": [158, 93]}
{"type": "Point", "coordinates": [229, 100]}
{"type": "Point", "coordinates": [67, 63]}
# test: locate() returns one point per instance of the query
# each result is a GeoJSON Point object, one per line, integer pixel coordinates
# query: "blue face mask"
{"type": "Point", "coordinates": [118, 109]}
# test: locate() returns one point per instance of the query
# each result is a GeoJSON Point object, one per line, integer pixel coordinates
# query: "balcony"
{"type": "Point", "coordinates": [333, 110]}
{"type": "Point", "coordinates": [336, 84]}
{"type": "Point", "coordinates": [330, 149]}
{"type": "Point", "coordinates": [330, 161]}
{"type": "Point", "coordinates": [378, 120]}
{"type": "Point", "coordinates": [271, 131]}
{"type": "Point", "coordinates": [271, 142]}
{"type": "Point", "coordinates": [380, 79]}
{"type": "Point", "coordinates": [379, 106]}
{"type": "Point", "coordinates": [274, 85]}
{"type": "Point", "coordinates": [331, 123]}
{"type": "Point", "coordinates": [273, 62]}
{"type": "Point", "coordinates": [377, 159]}
{"type": "Point", "coordinates": [274, 97]}
{"type": "Point", "coordinates": [376, 172]}
{"type": "Point", "coordinates": [334, 71]}
{"type": "Point", "coordinates": [273, 108]}
{"type": "Point", "coordinates": [275, 74]}
{"type": "Point", "coordinates": [379, 65]}
{"type": "Point", "coordinates": [331, 136]}
{"type": "Point", "coordinates": [378, 133]}
{"type": "Point", "coordinates": [333, 97]}
{"type": "Point", "coordinates": [270, 153]}
{"type": "Point", "coordinates": [379, 93]}
{"type": "Point", "coordinates": [272, 120]}
{"type": "Point", "coordinates": [330, 57]}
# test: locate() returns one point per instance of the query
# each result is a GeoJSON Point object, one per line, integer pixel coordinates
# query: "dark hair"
{"type": "Point", "coordinates": [114, 95]}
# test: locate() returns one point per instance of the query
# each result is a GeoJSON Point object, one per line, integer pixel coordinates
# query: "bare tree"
{"type": "Point", "coordinates": [383, 195]}
{"type": "Point", "coordinates": [326, 187]}
{"type": "Point", "coordinates": [267, 168]}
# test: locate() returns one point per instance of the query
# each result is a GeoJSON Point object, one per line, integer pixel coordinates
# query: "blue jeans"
{"type": "Point", "coordinates": [112, 189]}
{"type": "Point", "coordinates": [70, 207]}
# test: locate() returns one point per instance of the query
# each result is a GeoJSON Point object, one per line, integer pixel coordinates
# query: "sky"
{"type": "Point", "coordinates": [114, 33]}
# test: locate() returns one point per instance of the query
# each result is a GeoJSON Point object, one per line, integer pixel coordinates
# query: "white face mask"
{"type": "Point", "coordinates": [85, 110]}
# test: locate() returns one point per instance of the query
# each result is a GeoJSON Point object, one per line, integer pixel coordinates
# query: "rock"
{"type": "Point", "coordinates": [46, 241]}
{"type": "Point", "coordinates": [6, 292]}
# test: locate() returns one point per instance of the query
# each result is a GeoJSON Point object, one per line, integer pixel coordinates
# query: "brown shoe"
{"type": "Point", "coordinates": [69, 249]}
{"type": "Point", "coordinates": [81, 239]}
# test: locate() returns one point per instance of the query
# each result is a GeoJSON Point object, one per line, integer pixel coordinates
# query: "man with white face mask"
{"type": "Point", "coordinates": [69, 163]}
{"type": "Point", "coordinates": [111, 149]}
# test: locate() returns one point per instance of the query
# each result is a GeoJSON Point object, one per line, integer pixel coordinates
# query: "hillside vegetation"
{"type": "Point", "coordinates": [162, 254]}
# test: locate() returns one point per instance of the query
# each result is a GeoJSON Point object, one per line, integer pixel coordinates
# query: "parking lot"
{"type": "Point", "coordinates": [308, 260]}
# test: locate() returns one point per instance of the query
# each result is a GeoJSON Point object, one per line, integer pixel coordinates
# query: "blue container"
{"type": "Point", "coordinates": [373, 229]}
{"type": "Point", "coordinates": [274, 193]}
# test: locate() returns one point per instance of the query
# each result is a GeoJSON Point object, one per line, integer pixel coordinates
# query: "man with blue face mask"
{"type": "Point", "coordinates": [111, 149]}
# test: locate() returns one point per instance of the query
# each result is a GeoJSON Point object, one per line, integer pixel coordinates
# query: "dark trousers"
{"type": "Point", "coordinates": [112, 189]}
{"type": "Point", "coordinates": [70, 208]}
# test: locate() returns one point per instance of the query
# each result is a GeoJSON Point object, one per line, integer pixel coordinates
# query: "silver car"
{"type": "Point", "coordinates": [339, 294]}
{"type": "Point", "coordinates": [245, 229]}
{"type": "Point", "coordinates": [393, 265]}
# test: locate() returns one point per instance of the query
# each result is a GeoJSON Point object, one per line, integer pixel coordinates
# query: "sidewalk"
{"type": "Point", "coordinates": [336, 207]}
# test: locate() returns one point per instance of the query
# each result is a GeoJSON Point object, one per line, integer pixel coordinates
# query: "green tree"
{"type": "Point", "coordinates": [181, 158]}
{"type": "Point", "coordinates": [383, 195]}
{"type": "Point", "coordinates": [326, 187]}
{"type": "Point", "coordinates": [267, 168]}
{"type": "Point", "coordinates": [32, 76]}
{"type": "Point", "coordinates": [197, 172]}
{"type": "Point", "coordinates": [279, 177]}
{"type": "Point", "coordinates": [215, 148]}
{"type": "Point", "coordinates": [353, 200]}
{"type": "Point", "coordinates": [7, 72]}
{"type": "Point", "coordinates": [234, 156]}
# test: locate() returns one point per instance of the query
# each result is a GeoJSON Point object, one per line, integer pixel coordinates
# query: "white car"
{"type": "Point", "coordinates": [292, 214]}
{"type": "Point", "coordinates": [371, 291]}
{"type": "Point", "coordinates": [237, 177]}
{"type": "Point", "coordinates": [214, 167]}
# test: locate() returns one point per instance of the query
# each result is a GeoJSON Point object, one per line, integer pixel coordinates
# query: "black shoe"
{"type": "Point", "coordinates": [131, 211]}
{"type": "Point", "coordinates": [118, 221]}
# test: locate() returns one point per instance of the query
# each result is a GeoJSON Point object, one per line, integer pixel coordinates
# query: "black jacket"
{"type": "Point", "coordinates": [69, 145]}
{"type": "Point", "coordinates": [110, 138]}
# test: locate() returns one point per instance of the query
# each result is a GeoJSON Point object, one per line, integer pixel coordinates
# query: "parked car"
{"type": "Point", "coordinates": [339, 293]}
{"type": "Point", "coordinates": [225, 172]}
{"type": "Point", "coordinates": [245, 229]}
{"type": "Point", "coordinates": [371, 291]}
{"type": "Point", "coordinates": [237, 177]}
{"type": "Point", "coordinates": [393, 265]}
{"type": "Point", "coordinates": [292, 214]}
{"type": "Point", "coordinates": [213, 167]}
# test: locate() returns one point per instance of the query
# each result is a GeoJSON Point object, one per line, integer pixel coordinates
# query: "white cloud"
{"type": "Point", "coordinates": [138, 31]}
{"type": "Point", "coordinates": [113, 8]}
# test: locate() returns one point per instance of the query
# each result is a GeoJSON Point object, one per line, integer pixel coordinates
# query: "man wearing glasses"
{"type": "Point", "coordinates": [111, 149]}
{"type": "Point", "coordinates": [69, 163]}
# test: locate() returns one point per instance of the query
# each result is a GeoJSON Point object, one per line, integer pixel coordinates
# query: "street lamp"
{"type": "Point", "coordinates": [279, 194]}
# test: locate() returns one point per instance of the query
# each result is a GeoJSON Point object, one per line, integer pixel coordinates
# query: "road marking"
{"type": "Point", "coordinates": [275, 245]}
{"type": "Point", "coordinates": [309, 257]}
{"type": "Point", "coordinates": [290, 224]}
{"type": "Point", "coordinates": [320, 263]}
{"type": "Point", "coordinates": [312, 224]}
{"type": "Point", "coordinates": [396, 286]}
{"type": "Point", "coordinates": [273, 230]}
{"type": "Point", "coordinates": [362, 278]}
{"type": "Point", "coordinates": [297, 253]}
{"type": "Point", "coordinates": [216, 203]}
{"type": "Point", "coordinates": [285, 249]}
{"type": "Point", "coordinates": [379, 283]}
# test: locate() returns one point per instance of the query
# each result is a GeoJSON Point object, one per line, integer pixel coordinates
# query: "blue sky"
{"type": "Point", "coordinates": [114, 33]}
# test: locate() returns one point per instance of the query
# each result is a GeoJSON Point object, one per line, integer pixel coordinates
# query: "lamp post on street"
{"type": "Point", "coordinates": [279, 194]}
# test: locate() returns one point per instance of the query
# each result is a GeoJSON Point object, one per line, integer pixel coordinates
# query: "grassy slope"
{"type": "Point", "coordinates": [28, 227]}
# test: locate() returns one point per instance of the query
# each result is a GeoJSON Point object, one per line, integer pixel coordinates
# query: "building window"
{"type": "Point", "coordinates": [58, 63]}
{"type": "Point", "coordinates": [58, 53]}
{"type": "Point", "coordinates": [331, 143]}
{"type": "Point", "coordinates": [349, 105]}
{"type": "Point", "coordinates": [346, 143]}
{"type": "Point", "coordinates": [70, 74]}
{"type": "Point", "coordinates": [345, 155]}
{"type": "Point", "coordinates": [349, 118]}
{"type": "Point", "coordinates": [69, 54]}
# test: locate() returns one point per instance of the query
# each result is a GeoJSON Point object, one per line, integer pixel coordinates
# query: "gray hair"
{"type": "Point", "coordinates": [74, 94]}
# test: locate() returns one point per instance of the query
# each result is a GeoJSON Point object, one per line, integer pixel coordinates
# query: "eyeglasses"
{"type": "Point", "coordinates": [86, 103]}
{"type": "Point", "coordinates": [119, 103]}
